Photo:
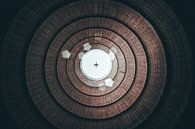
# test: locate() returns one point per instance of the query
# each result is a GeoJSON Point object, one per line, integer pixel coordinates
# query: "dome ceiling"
{"type": "Point", "coordinates": [96, 64]}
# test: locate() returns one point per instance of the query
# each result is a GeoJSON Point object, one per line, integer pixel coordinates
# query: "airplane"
{"type": "Point", "coordinates": [96, 65]}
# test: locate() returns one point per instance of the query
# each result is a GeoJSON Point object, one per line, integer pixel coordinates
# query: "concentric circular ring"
{"type": "Point", "coordinates": [105, 101]}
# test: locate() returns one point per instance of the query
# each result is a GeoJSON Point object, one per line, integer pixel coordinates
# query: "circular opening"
{"type": "Point", "coordinates": [96, 64]}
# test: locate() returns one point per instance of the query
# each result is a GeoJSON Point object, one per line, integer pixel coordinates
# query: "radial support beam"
{"type": "Point", "coordinates": [66, 54]}
{"type": "Point", "coordinates": [81, 55]}
{"type": "Point", "coordinates": [86, 47]}
{"type": "Point", "coordinates": [113, 49]}
{"type": "Point", "coordinates": [109, 82]}
{"type": "Point", "coordinates": [112, 55]}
